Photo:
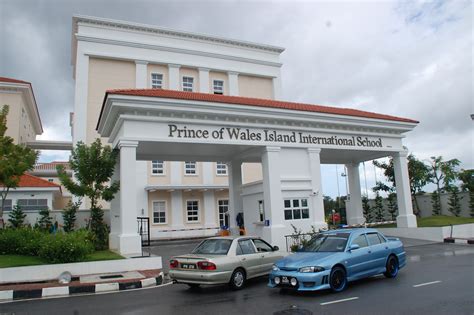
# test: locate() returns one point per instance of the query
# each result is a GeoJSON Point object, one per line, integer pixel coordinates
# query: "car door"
{"type": "Point", "coordinates": [379, 252]}
{"type": "Point", "coordinates": [248, 257]}
{"type": "Point", "coordinates": [358, 261]}
{"type": "Point", "coordinates": [267, 254]}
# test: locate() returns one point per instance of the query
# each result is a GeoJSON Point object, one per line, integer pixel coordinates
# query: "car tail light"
{"type": "Point", "coordinates": [206, 265]}
{"type": "Point", "coordinates": [174, 264]}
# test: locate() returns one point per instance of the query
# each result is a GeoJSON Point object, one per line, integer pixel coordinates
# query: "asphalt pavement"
{"type": "Point", "coordinates": [439, 279]}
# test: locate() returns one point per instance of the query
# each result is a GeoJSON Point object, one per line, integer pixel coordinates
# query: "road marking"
{"type": "Point", "coordinates": [339, 301]}
{"type": "Point", "coordinates": [427, 283]}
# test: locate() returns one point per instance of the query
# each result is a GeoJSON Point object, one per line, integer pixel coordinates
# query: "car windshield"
{"type": "Point", "coordinates": [213, 247]}
{"type": "Point", "coordinates": [327, 243]}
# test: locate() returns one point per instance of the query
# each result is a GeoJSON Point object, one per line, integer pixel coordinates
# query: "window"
{"type": "Point", "coordinates": [213, 247]}
{"type": "Point", "coordinates": [157, 167]}
{"type": "Point", "coordinates": [262, 246]}
{"type": "Point", "coordinates": [156, 81]}
{"type": "Point", "coordinates": [296, 209]}
{"type": "Point", "coordinates": [261, 211]}
{"type": "Point", "coordinates": [8, 204]}
{"type": "Point", "coordinates": [192, 208]}
{"type": "Point", "coordinates": [33, 204]}
{"type": "Point", "coordinates": [190, 168]}
{"type": "Point", "coordinates": [373, 238]}
{"type": "Point", "coordinates": [218, 87]}
{"type": "Point", "coordinates": [221, 168]}
{"type": "Point", "coordinates": [188, 83]}
{"type": "Point", "coordinates": [223, 206]}
{"type": "Point", "coordinates": [159, 212]}
{"type": "Point", "coordinates": [50, 180]}
{"type": "Point", "coordinates": [246, 247]}
{"type": "Point", "coordinates": [361, 241]}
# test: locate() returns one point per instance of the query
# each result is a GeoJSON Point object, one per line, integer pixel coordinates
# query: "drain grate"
{"type": "Point", "coordinates": [111, 277]}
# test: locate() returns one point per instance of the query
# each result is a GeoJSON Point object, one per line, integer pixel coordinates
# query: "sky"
{"type": "Point", "coordinates": [411, 59]}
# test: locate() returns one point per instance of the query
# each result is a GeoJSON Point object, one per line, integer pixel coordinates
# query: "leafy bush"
{"type": "Point", "coordinates": [21, 241]}
{"type": "Point", "coordinates": [45, 221]}
{"type": "Point", "coordinates": [17, 217]}
{"type": "Point", "coordinates": [69, 215]}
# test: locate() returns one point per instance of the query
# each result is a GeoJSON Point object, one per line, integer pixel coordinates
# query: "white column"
{"type": "Point", "coordinates": [235, 193]}
{"type": "Point", "coordinates": [233, 78]}
{"type": "Point", "coordinates": [177, 218]}
{"type": "Point", "coordinates": [173, 72]}
{"type": "Point", "coordinates": [176, 173]}
{"type": "Point", "coordinates": [277, 88]}
{"type": "Point", "coordinates": [317, 213]}
{"type": "Point", "coordinates": [141, 74]}
{"type": "Point", "coordinates": [208, 172]}
{"type": "Point", "coordinates": [203, 80]}
{"type": "Point", "coordinates": [210, 209]}
{"type": "Point", "coordinates": [128, 241]}
{"type": "Point", "coordinates": [80, 97]}
{"type": "Point", "coordinates": [405, 218]}
{"type": "Point", "coordinates": [354, 212]}
{"type": "Point", "coordinates": [115, 212]}
{"type": "Point", "coordinates": [272, 197]}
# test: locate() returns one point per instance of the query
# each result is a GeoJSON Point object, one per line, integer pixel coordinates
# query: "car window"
{"type": "Point", "coordinates": [361, 241]}
{"type": "Point", "coordinates": [327, 242]}
{"type": "Point", "coordinates": [247, 247]}
{"type": "Point", "coordinates": [262, 246]}
{"type": "Point", "coordinates": [382, 239]}
{"type": "Point", "coordinates": [373, 238]}
{"type": "Point", "coordinates": [213, 247]}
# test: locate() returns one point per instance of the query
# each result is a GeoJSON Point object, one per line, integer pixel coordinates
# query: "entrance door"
{"type": "Point", "coordinates": [223, 206]}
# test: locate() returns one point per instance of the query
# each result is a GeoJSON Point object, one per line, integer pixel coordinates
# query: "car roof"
{"type": "Point", "coordinates": [353, 230]}
{"type": "Point", "coordinates": [231, 237]}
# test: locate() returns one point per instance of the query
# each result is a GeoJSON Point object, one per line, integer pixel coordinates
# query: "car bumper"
{"type": "Point", "coordinates": [310, 281]}
{"type": "Point", "coordinates": [218, 277]}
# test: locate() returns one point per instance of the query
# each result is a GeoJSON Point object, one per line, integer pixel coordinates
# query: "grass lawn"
{"type": "Point", "coordinates": [436, 221]}
{"type": "Point", "coordinates": [19, 260]}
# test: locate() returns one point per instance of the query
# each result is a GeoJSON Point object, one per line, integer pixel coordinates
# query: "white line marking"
{"type": "Point", "coordinates": [339, 301]}
{"type": "Point", "coordinates": [427, 283]}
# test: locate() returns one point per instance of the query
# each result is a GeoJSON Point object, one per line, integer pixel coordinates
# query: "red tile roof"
{"type": "Point", "coordinates": [27, 180]}
{"type": "Point", "coordinates": [239, 100]}
{"type": "Point", "coordinates": [10, 80]}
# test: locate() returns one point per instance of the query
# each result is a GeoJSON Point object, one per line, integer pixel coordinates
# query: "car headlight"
{"type": "Point", "coordinates": [275, 268]}
{"type": "Point", "coordinates": [311, 269]}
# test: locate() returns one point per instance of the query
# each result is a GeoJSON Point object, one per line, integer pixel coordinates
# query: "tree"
{"type": "Point", "coordinates": [379, 211]}
{"type": "Point", "coordinates": [454, 201]}
{"type": "Point", "coordinates": [93, 167]}
{"type": "Point", "coordinates": [17, 217]}
{"type": "Point", "coordinates": [418, 173]}
{"type": "Point", "coordinates": [45, 221]}
{"type": "Point", "coordinates": [366, 209]}
{"type": "Point", "coordinates": [69, 215]}
{"type": "Point", "coordinates": [392, 205]}
{"type": "Point", "coordinates": [443, 174]}
{"type": "Point", "coordinates": [15, 160]}
{"type": "Point", "coordinates": [436, 203]}
{"type": "Point", "coordinates": [467, 179]}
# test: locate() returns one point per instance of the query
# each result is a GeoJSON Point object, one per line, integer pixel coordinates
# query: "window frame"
{"type": "Point", "coordinates": [223, 215]}
{"type": "Point", "coordinates": [376, 235]}
{"type": "Point", "coordinates": [196, 173]}
{"type": "Point", "coordinates": [246, 240]}
{"type": "Point", "coordinates": [187, 88]}
{"type": "Point", "coordinates": [292, 208]}
{"type": "Point", "coordinates": [8, 206]}
{"type": "Point", "coordinates": [153, 212]}
{"type": "Point", "coordinates": [214, 86]}
{"type": "Point", "coordinates": [220, 169]}
{"type": "Point", "coordinates": [261, 210]}
{"type": "Point", "coordinates": [365, 237]}
{"type": "Point", "coordinates": [198, 215]}
{"type": "Point", "coordinates": [162, 80]}
{"type": "Point", "coordinates": [163, 173]}
{"type": "Point", "coordinates": [29, 207]}
{"type": "Point", "coordinates": [265, 243]}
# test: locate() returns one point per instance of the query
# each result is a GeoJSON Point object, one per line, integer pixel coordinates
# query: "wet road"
{"type": "Point", "coordinates": [439, 279]}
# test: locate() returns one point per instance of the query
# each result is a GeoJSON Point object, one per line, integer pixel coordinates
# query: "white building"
{"type": "Point", "coordinates": [201, 135]}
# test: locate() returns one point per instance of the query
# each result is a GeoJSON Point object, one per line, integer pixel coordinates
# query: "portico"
{"type": "Point", "coordinates": [290, 140]}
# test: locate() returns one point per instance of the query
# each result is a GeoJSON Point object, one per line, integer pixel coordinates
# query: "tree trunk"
{"type": "Point", "coordinates": [417, 206]}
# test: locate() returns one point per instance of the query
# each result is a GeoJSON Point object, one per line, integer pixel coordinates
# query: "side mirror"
{"type": "Point", "coordinates": [275, 248]}
{"type": "Point", "coordinates": [353, 247]}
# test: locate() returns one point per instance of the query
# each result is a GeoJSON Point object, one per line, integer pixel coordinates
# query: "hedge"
{"type": "Point", "coordinates": [53, 248]}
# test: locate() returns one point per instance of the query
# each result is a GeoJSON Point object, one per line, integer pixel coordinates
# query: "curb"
{"type": "Point", "coordinates": [451, 240]}
{"type": "Point", "coordinates": [10, 295]}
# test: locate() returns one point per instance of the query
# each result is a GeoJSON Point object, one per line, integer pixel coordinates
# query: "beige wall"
{"type": "Point", "coordinates": [160, 196]}
{"type": "Point", "coordinates": [19, 125]}
{"type": "Point", "coordinates": [219, 179]}
{"type": "Point", "coordinates": [258, 87]}
{"type": "Point", "coordinates": [193, 195]}
{"type": "Point", "coordinates": [104, 75]}
{"type": "Point", "coordinates": [60, 202]}
{"type": "Point", "coordinates": [189, 72]}
{"type": "Point", "coordinates": [192, 179]}
{"type": "Point", "coordinates": [164, 179]}
{"type": "Point", "coordinates": [218, 76]}
{"type": "Point", "coordinates": [154, 68]}
{"type": "Point", "coordinates": [251, 172]}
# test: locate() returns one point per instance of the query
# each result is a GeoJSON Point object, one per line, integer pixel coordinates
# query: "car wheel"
{"type": "Point", "coordinates": [237, 280]}
{"type": "Point", "coordinates": [338, 279]}
{"type": "Point", "coordinates": [193, 285]}
{"type": "Point", "coordinates": [391, 267]}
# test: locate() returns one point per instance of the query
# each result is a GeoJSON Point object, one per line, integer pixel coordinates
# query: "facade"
{"type": "Point", "coordinates": [193, 114]}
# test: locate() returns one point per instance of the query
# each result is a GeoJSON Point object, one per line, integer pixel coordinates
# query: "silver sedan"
{"type": "Point", "coordinates": [221, 260]}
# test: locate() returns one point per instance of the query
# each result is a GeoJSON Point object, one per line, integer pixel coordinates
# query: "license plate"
{"type": "Point", "coordinates": [188, 266]}
{"type": "Point", "coordinates": [285, 280]}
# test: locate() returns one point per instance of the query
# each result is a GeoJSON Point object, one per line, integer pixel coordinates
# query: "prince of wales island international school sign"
{"type": "Point", "coordinates": [269, 135]}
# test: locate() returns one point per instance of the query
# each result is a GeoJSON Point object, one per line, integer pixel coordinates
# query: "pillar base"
{"type": "Point", "coordinates": [126, 244]}
{"type": "Point", "coordinates": [355, 220]}
{"type": "Point", "coordinates": [407, 221]}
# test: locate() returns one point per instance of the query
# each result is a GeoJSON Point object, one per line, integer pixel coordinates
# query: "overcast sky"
{"type": "Point", "coordinates": [411, 59]}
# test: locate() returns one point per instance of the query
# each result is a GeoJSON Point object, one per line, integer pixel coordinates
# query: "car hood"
{"type": "Point", "coordinates": [304, 259]}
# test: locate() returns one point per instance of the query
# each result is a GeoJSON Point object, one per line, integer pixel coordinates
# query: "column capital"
{"type": "Point", "coordinates": [141, 62]}
{"type": "Point", "coordinates": [353, 164]}
{"type": "Point", "coordinates": [127, 143]}
{"type": "Point", "coordinates": [314, 150]}
{"type": "Point", "coordinates": [402, 154]}
{"type": "Point", "coordinates": [232, 73]}
{"type": "Point", "coordinates": [272, 149]}
{"type": "Point", "coordinates": [204, 69]}
{"type": "Point", "coordinates": [173, 65]}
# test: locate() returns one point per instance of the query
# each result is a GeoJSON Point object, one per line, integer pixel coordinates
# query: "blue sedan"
{"type": "Point", "coordinates": [332, 259]}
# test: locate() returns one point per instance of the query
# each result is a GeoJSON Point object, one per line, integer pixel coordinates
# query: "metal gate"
{"type": "Point", "coordinates": [144, 230]}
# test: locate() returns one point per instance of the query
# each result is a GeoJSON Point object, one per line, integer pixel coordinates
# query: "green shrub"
{"type": "Point", "coordinates": [21, 241]}
{"type": "Point", "coordinates": [17, 217]}
{"type": "Point", "coordinates": [67, 247]}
